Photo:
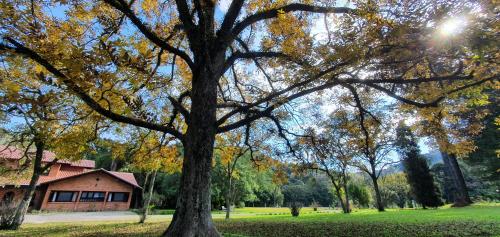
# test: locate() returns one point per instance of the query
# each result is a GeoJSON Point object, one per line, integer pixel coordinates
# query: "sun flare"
{"type": "Point", "coordinates": [452, 26]}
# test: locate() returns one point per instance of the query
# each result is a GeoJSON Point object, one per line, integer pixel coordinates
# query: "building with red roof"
{"type": "Point", "coordinates": [69, 185]}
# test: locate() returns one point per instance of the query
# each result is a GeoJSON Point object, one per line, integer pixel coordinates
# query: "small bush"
{"type": "Point", "coordinates": [240, 204]}
{"type": "Point", "coordinates": [315, 206]}
{"type": "Point", "coordinates": [295, 208]}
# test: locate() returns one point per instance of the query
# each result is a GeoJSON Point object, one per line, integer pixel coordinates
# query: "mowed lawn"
{"type": "Point", "coordinates": [476, 220]}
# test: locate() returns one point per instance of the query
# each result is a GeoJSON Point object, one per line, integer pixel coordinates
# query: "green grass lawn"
{"type": "Point", "coordinates": [477, 220]}
{"type": "Point", "coordinates": [248, 211]}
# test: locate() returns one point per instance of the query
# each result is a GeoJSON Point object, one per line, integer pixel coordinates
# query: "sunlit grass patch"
{"type": "Point", "coordinates": [476, 220]}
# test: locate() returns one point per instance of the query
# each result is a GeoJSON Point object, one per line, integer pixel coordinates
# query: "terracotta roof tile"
{"type": "Point", "coordinates": [127, 177]}
{"type": "Point", "coordinates": [16, 154]}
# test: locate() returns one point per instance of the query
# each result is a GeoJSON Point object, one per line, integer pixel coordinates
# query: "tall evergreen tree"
{"type": "Point", "coordinates": [417, 171]}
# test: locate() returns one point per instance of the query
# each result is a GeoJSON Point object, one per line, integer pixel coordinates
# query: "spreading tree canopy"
{"type": "Point", "coordinates": [191, 69]}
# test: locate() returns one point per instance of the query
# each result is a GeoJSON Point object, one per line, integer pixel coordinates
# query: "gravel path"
{"type": "Point", "coordinates": [75, 217]}
{"type": "Point", "coordinates": [87, 216]}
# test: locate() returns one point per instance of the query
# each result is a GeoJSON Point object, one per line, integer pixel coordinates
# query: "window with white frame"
{"type": "Point", "coordinates": [118, 197]}
{"type": "Point", "coordinates": [63, 196]}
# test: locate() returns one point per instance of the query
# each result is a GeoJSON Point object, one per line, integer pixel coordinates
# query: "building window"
{"type": "Point", "coordinates": [118, 197]}
{"type": "Point", "coordinates": [63, 196]}
{"type": "Point", "coordinates": [92, 197]}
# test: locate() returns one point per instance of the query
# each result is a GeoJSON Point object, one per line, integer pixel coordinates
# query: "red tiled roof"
{"type": "Point", "coordinates": [16, 154]}
{"type": "Point", "coordinates": [79, 163]}
{"type": "Point", "coordinates": [13, 153]}
{"type": "Point", "coordinates": [10, 152]}
{"type": "Point", "coordinates": [44, 179]}
{"type": "Point", "coordinates": [125, 177]}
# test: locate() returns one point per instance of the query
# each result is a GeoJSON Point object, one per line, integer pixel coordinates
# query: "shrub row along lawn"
{"type": "Point", "coordinates": [469, 221]}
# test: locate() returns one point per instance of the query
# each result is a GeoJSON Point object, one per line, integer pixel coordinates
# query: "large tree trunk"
{"type": "Point", "coordinates": [461, 195]}
{"type": "Point", "coordinates": [378, 196]}
{"type": "Point", "coordinates": [147, 198]}
{"type": "Point", "coordinates": [192, 214]}
{"type": "Point", "coordinates": [22, 208]}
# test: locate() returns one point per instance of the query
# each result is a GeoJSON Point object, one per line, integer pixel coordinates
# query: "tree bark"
{"type": "Point", "coordinates": [23, 205]}
{"type": "Point", "coordinates": [228, 208]}
{"type": "Point", "coordinates": [460, 195]}
{"type": "Point", "coordinates": [347, 204]}
{"type": "Point", "coordinates": [147, 200]}
{"type": "Point", "coordinates": [228, 197]}
{"type": "Point", "coordinates": [378, 196]}
{"type": "Point", "coordinates": [192, 215]}
{"type": "Point", "coordinates": [342, 203]}
{"type": "Point", "coordinates": [114, 165]}
{"type": "Point", "coordinates": [339, 196]}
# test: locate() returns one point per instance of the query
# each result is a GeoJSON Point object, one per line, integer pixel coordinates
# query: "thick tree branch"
{"type": "Point", "coordinates": [185, 16]}
{"type": "Point", "coordinates": [333, 82]}
{"type": "Point", "coordinates": [359, 105]}
{"type": "Point", "coordinates": [362, 111]}
{"type": "Point", "coordinates": [276, 94]}
{"type": "Point", "coordinates": [23, 51]}
{"type": "Point", "coordinates": [121, 6]}
{"type": "Point", "coordinates": [294, 7]}
{"type": "Point", "coordinates": [232, 14]}
{"type": "Point", "coordinates": [264, 113]}
{"type": "Point", "coordinates": [178, 106]}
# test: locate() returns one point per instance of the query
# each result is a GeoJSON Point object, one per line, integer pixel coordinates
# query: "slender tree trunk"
{"type": "Point", "coordinates": [147, 199]}
{"type": "Point", "coordinates": [23, 205]}
{"type": "Point", "coordinates": [114, 165]}
{"type": "Point", "coordinates": [228, 208]}
{"type": "Point", "coordinates": [378, 196]}
{"type": "Point", "coordinates": [342, 203]}
{"type": "Point", "coordinates": [192, 215]}
{"type": "Point", "coordinates": [339, 196]}
{"type": "Point", "coordinates": [228, 198]}
{"type": "Point", "coordinates": [347, 204]}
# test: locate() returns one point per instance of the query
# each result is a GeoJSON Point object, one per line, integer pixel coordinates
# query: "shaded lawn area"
{"type": "Point", "coordinates": [478, 220]}
{"type": "Point", "coordinates": [249, 211]}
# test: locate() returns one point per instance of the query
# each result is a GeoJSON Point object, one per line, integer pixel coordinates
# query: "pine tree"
{"type": "Point", "coordinates": [417, 170]}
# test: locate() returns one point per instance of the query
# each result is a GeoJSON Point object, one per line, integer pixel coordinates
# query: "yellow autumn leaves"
{"type": "Point", "coordinates": [153, 155]}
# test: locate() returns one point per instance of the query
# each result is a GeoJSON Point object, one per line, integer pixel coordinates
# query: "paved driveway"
{"type": "Point", "coordinates": [88, 216]}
